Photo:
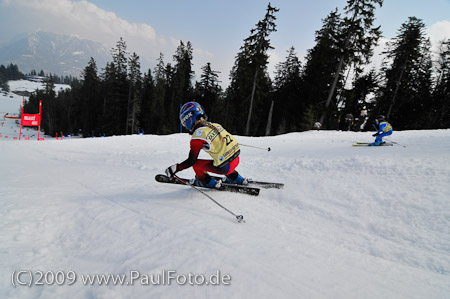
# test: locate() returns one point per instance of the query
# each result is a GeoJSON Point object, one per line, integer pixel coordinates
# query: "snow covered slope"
{"type": "Point", "coordinates": [350, 223]}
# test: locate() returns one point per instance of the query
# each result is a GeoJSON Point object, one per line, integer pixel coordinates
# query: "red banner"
{"type": "Point", "coordinates": [33, 120]}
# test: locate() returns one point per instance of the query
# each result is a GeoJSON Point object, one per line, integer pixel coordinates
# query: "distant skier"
{"type": "Point", "coordinates": [360, 121]}
{"type": "Point", "coordinates": [213, 139]}
{"type": "Point", "coordinates": [384, 129]}
{"type": "Point", "coordinates": [349, 120]}
{"type": "Point", "coordinates": [317, 125]}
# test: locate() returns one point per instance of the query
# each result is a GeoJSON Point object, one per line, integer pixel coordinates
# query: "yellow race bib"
{"type": "Point", "coordinates": [221, 145]}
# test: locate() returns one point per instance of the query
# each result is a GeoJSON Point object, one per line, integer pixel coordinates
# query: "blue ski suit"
{"type": "Point", "coordinates": [384, 129]}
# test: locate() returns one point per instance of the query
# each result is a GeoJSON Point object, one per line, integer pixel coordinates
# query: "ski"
{"type": "Point", "coordinates": [161, 178]}
{"type": "Point", "coordinates": [361, 144]}
{"type": "Point", "coordinates": [262, 184]}
{"type": "Point", "coordinates": [369, 144]}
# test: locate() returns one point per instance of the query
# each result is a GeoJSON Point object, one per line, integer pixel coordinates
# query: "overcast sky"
{"type": "Point", "coordinates": [215, 28]}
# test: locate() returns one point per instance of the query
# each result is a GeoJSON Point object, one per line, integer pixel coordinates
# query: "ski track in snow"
{"type": "Point", "coordinates": [350, 223]}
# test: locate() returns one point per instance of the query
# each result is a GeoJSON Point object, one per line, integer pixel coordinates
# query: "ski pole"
{"type": "Point", "coordinates": [261, 148]}
{"type": "Point", "coordinates": [395, 142]}
{"type": "Point", "coordinates": [240, 218]}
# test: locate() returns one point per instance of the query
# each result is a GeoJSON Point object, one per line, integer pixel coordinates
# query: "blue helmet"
{"type": "Point", "coordinates": [189, 113]}
{"type": "Point", "coordinates": [380, 118]}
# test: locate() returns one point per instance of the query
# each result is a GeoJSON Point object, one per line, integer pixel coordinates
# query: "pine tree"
{"type": "Point", "coordinates": [90, 100]}
{"type": "Point", "coordinates": [49, 118]}
{"type": "Point", "coordinates": [320, 66]}
{"type": "Point", "coordinates": [440, 112]}
{"type": "Point", "coordinates": [359, 39]}
{"type": "Point", "coordinates": [407, 73]}
{"type": "Point", "coordinates": [134, 94]}
{"type": "Point", "coordinates": [250, 83]}
{"type": "Point", "coordinates": [159, 107]}
{"type": "Point", "coordinates": [147, 116]}
{"type": "Point", "coordinates": [116, 110]}
{"type": "Point", "coordinates": [181, 83]}
{"type": "Point", "coordinates": [208, 91]}
{"type": "Point", "coordinates": [288, 103]}
{"type": "Point", "coordinates": [107, 82]}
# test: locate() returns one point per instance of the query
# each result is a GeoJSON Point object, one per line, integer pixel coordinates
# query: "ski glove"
{"type": "Point", "coordinates": [171, 170]}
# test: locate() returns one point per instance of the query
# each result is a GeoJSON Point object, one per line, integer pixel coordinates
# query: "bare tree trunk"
{"type": "Point", "coordinates": [133, 117]}
{"type": "Point", "coordinates": [396, 89]}
{"type": "Point", "coordinates": [104, 105]}
{"type": "Point", "coordinates": [333, 87]}
{"type": "Point", "coordinates": [269, 120]}
{"type": "Point", "coordinates": [128, 112]}
{"type": "Point", "coordinates": [247, 128]}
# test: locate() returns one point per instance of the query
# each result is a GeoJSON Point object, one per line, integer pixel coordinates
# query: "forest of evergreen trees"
{"type": "Point", "coordinates": [9, 72]}
{"type": "Point", "coordinates": [410, 89]}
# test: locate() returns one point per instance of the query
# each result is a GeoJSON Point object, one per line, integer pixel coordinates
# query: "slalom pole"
{"type": "Point", "coordinates": [261, 148]}
{"type": "Point", "coordinates": [21, 117]}
{"type": "Point", "coordinates": [240, 218]}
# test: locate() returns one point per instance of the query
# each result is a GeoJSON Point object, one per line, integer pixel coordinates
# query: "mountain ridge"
{"type": "Point", "coordinates": [53, 53]}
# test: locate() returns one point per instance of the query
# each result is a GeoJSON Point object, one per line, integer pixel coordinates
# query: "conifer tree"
{"type": "Point", "coordinates": [440, 112]}
{"type": "Point", "coordinates": [250, 83]}
{"type": "Point", "coordinates": [116, 110]}
{"type": "Point", "coordinates": [147, 116]}
{"type": "Point", "coordinates": [407, 73]}
{"type": "Point", "coordinates": [359, 38]}
{"type": "Point", "coordinates": [320, 66]}
{"type": "Point", "coordinates": [208, 91]}
{"type": "Point", "coordinates": [288, 103]}
{"type": "Point", "coordinates": [181, 83]}
{"type": "Point", "coordinates": [159, 107]}
{"type": "Point", "coordinates": [134, 94]}
{"type": "Point", "coordinates": [90, 100]}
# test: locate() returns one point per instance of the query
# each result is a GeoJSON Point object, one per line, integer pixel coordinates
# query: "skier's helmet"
{"type": "Point", "coordinates": [380, 118]}
{"type": "Point", "coordinates": [189, 113]}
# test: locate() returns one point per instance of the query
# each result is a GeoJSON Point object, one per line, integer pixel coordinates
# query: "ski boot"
{"type": "Point", "coordinates": [239, 180]}
{"type": "Point", "coordinates": [211, 184]}
{"type": "Point", "coordinates": [376, 143]}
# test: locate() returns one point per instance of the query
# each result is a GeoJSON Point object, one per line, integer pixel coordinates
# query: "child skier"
{"type": "Point", "coordinates": [216, 141]}
{"type": "Point", "coordinates": [384, 129]}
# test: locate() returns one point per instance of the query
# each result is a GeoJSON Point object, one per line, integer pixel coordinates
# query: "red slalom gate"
{"type": "Point", "coordinates": [31, 120]}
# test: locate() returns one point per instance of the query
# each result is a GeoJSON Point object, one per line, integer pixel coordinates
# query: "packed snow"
{"type": "Point", "coordinates": [351, 222]}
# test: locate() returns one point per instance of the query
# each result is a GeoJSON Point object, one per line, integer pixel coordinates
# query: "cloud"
{"type": "Point", "coordinates": [88, 21]}
{"type": "Point", "coordinates": [438, 32]}
{"type": "Point", "coordinates": [274, 59]}
{"type": "Point", "coordinates": [203, 53]}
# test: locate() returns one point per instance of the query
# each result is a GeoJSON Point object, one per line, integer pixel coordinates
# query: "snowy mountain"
{"type": "Point", "coordinates": [53, 53]}
{"type": "Point", "coordinates": [84, 218]}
